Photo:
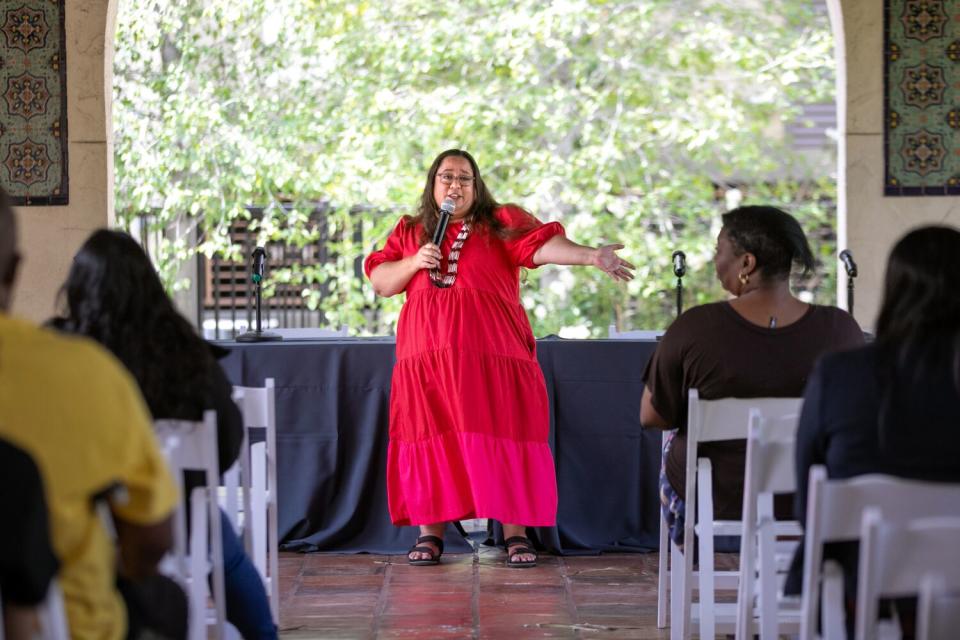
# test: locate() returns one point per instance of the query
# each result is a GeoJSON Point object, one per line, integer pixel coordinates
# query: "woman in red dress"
{"type": "Point", "coordinates": [469, 419]}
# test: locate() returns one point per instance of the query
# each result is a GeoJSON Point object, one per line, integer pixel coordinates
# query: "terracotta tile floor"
{"type": "Point", "coordinates": [469, 596]}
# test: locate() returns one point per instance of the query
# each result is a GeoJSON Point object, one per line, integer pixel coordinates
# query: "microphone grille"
{"type": "Point", "coordinates": [448, 205]}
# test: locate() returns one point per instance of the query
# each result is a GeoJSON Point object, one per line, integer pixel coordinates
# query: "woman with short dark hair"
{"type": "Point", "coordinates": [761, 343]}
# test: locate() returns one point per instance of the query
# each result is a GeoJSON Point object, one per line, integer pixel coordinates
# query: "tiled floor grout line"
{"type": "Point", "coordinates": [381, 599]}
{"type": "Point", "coordinates": [568, 596]}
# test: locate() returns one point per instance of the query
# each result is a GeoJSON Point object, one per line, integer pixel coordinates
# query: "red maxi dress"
{"type": "Point", "coordinates": [469, 419]}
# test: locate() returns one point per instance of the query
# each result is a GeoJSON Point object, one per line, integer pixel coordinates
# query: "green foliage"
{"type": "Point", "coordinates": [618, 118]}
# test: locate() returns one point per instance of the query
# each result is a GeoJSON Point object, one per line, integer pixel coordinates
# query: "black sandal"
{"type": "Point", "coordinates": [419, 548]}
{"type": "Point", "coordinates": [521, 546]}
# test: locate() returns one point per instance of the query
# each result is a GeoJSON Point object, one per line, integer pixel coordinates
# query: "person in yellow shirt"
{"type": "Point", "coordinates": [79, 414]}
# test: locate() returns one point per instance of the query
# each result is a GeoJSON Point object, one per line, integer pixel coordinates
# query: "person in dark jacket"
{"type": "Point", "coordinates": [893, 406]}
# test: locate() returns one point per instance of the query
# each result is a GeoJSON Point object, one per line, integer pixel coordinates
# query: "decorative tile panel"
{"type": "Point", "coordinates": [33, 102]}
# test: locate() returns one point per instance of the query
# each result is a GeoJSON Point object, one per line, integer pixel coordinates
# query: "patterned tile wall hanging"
{"type": "Point", "coordinates": [921, 106]}
{"type": "Point", "coordinates": [33, 102]}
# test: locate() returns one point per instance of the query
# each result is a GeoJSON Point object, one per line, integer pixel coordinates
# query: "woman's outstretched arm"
{"type": "Point", "coordinates": [560, 250]}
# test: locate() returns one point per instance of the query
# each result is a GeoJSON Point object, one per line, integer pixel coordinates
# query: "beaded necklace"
{"type": "Point", "coordinates": [447, 280]}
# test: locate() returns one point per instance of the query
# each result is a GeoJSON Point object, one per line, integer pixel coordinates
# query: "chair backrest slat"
{"type": "Point", "coordinates": [903, 555]}
{"type": "Point", "coordinates": [899, 499]}
{"type": "Point", "coordinates": [774, 442]}
{"type": "Point", "coordinates": [728, 418]}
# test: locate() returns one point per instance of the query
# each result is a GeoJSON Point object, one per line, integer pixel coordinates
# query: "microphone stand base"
{"type": "Point", "coordinates": [258, 336]}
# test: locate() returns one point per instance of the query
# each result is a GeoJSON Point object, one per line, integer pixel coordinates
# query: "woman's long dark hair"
{"type": "Point", "coordinates": [484, 205]}
{"type": "Point", "coordinates": [114, 296]}
{"type": "Point", "coordinates": [918, 330]}
{"type": "Point", "coordinates": [773, 236]}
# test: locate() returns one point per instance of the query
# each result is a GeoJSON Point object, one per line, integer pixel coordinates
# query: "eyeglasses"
{"type": "Point", "coordinates": [448, 178]}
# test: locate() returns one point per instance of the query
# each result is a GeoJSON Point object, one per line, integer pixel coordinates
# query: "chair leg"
{"type": "Point", "coordinates": [677, 574]}
{"type": "Point", "coordinates": [831, 603]}
{"type": "Point", "coordinates": [706, 575]}
{"type": "Point", "coordinates": [663, 574]}
{"type": "Point", "coordinates": [768, 585]}
{"type": "Point", "coordinates": [273, 560]}
{"type": "Point", "coordinates": [197, 591]}
{"type": "Point", "coordinates": [704, 543]}
{"type": "Point", "coordinates": [746, 587]}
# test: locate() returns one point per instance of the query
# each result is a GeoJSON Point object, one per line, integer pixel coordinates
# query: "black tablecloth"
{"type": "Point", "coordinates": [332, 429]}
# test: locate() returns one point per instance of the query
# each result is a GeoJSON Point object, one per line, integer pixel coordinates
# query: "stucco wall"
{"type": "Point", "coordinates": [49, 236]}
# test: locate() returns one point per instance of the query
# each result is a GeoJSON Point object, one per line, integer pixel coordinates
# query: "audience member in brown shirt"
{"type": "Point", "coordinates": [762, 343]}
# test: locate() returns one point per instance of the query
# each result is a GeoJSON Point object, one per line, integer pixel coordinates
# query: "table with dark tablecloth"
{"type": "Point", "coordinates": [332, 430]}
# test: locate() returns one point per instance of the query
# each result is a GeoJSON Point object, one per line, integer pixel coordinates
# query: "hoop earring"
{"type": "Point", "coordinates": [743, 278]}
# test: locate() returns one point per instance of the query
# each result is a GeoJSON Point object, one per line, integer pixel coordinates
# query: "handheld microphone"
{"type": "Point", "coordinates": [847, 259]}
{"type": "Point", "coordinates": [679, 263]}
{"type": "Point", "coordinates": [446, 210]}
{"type": "Point", "coordinates": [259, 257]}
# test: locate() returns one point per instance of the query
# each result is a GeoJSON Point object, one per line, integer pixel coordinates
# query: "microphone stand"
{"type": "Point", "coordinates": [258, 334]}
{"type": "Point", "coordinates": [679, 295]}
{"type": "Point", "coordinates": [849, 294]}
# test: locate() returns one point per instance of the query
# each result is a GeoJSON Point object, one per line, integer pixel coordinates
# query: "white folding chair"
{"type": "Point", "coordinates": [710, 421]}
{"type": "Point", "coordinates": [834, 514]}
{"type": "Point", "coordinates": [258, 406]}
{"type": "Point", "coordinates": [192, 446]}
{"type": "Point", "coordinates": [894, 558]}
{"type": "Point", "coordinates": [938, 609]}
{"type": "Point", "coordinates": [769, 470]}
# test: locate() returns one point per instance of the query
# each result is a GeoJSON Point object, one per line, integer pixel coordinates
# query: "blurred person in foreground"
{"type": "Point", "coordinates": [27, 562]}
{"type": "Point", "coordinates": [761, 343]}
{"type": "Point", "coordinates": [71, 406]}
{"type": "Point", "coordinates": [893, 406]}
{"type": "Point", "coordinates": [114, 296]}
{"type": "Point", "coordinates": [469, 418]}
